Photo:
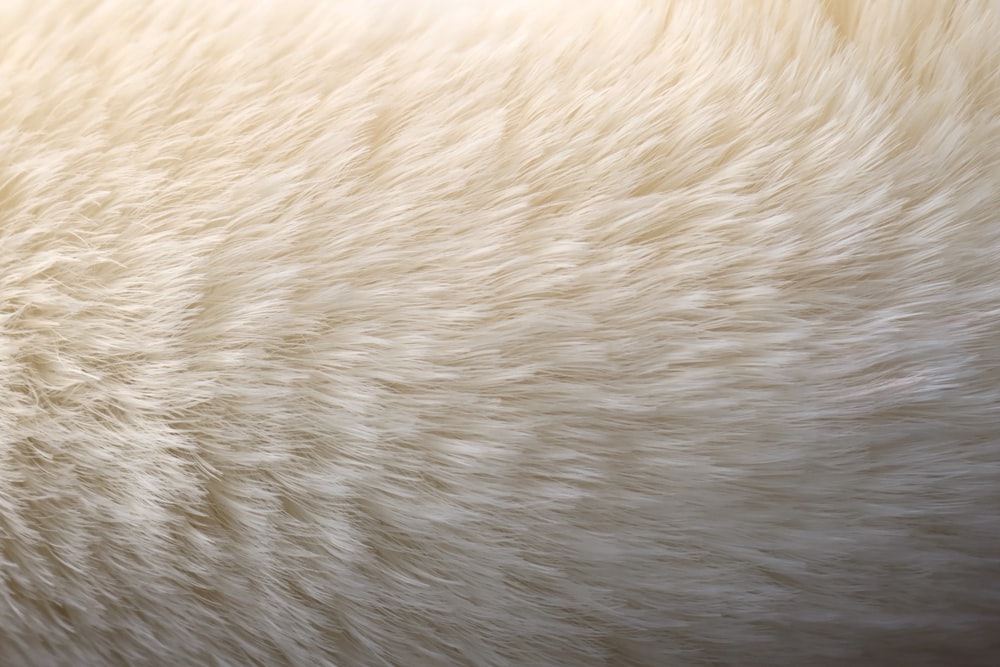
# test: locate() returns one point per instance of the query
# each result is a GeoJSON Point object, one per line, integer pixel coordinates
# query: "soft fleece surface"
{"type": "Point", "coordinates": [558, 332]}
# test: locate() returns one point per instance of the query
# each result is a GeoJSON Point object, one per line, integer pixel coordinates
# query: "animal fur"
{"type": "Point", "coordinates": [529, 333]}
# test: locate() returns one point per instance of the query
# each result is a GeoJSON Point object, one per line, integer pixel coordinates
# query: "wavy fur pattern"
{"type": "Point", "coordinates": [559, 332]}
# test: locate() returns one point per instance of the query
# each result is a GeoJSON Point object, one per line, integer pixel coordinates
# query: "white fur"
{"type": "Point", "coordinates": [560, 332]}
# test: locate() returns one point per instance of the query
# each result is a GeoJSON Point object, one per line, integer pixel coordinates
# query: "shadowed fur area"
{"type": "Point", "coordinates": [549, 333]}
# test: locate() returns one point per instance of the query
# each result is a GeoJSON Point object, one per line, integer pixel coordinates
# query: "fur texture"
{"type": "Point", "coordinates": [560, 332]}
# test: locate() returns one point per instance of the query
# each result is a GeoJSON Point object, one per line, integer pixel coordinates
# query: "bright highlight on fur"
{"type": "Point", "coordinates": [522, 333]}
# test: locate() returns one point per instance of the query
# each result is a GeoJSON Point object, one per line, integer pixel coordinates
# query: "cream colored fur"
{"type": "Point", "coordinates": [558, 332]}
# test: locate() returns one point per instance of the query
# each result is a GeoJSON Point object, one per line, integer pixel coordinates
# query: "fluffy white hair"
{"type": "Point", "coordinates": [542, 333]}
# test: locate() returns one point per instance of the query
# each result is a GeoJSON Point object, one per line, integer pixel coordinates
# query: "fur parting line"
{"type": "Point", "coordinates": [519, 333]}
